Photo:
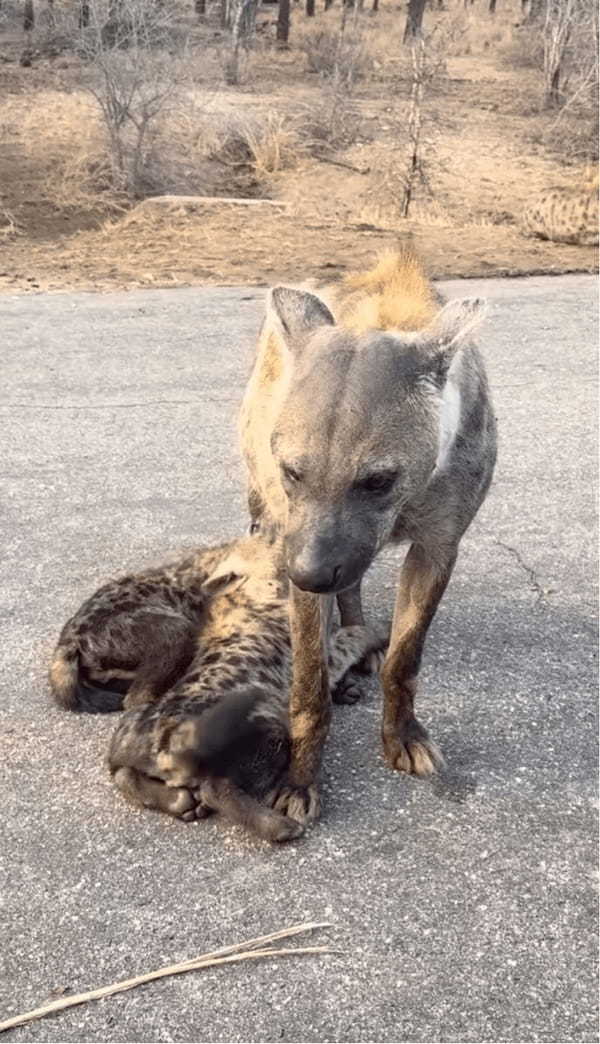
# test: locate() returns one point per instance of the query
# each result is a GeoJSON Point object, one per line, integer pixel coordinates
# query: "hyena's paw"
{"type": "Point", "coordinates": [347, 691]}
{"type": "Point", "coordinates": [410, 750]}
{"type": "Point", "coordinates": [300, 803]}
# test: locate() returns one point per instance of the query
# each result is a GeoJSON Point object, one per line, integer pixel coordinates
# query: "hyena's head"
{"type": "Point", "coordinates": [360, 432]}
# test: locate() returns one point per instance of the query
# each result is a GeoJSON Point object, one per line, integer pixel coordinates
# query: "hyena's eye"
{"type": "Point", "coordinates": [290, 473]}
{"type": "Point", "coordinates": [377, 482]}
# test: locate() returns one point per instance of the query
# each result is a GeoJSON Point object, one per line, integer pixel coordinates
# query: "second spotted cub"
{"type": "Point", "coordinates": [216, 739]}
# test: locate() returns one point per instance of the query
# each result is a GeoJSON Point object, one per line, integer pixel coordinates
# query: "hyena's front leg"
{"type": "Point", "coordinates": [310, 704]}
{"type": "Point", "coordinates": [406, 745]}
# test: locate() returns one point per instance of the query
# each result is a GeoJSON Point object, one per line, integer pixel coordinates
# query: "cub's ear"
{"type": "Point", "coordinates": [225, 577]}
{"type": "Point", "coordinates": [296, 314]}
{"type": "Point", "coordinates": [451, 328]}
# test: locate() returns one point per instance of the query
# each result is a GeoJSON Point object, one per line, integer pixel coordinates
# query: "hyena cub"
{"type": "Point", "coordinates": [205, 648]}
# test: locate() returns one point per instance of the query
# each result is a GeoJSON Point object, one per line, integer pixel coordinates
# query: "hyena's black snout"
{"type": "Point", "coordinates": [325, 566]}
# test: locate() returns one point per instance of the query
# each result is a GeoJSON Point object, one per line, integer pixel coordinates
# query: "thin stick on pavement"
{"type": "Point", "coordinates": [252, 949]}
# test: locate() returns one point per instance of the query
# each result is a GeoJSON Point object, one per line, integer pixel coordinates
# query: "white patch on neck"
{"type": "Point", "coordinates": [450, 410]}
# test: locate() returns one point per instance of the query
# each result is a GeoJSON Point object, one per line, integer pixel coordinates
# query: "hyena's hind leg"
{"type": "Point", "coordinates": [148, 792]}
{"type": "Point", "coordinates": [356, 648]}
{"type": "Point", "coordinates": [169, 645]}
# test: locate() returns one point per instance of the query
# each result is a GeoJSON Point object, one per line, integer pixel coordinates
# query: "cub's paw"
{"type": "Point", "coordinates": [300, 803]}
{"type": "Point", "coordinates": [410, 750]}
{"type": "Point", "coordinates": [272, 826]}
{"type": "Point", "coordinates": [347, 691]}
{"type": "Point", "coordinates": [181, 803]}
{"type": "Point", "coordinates": [372, 661]}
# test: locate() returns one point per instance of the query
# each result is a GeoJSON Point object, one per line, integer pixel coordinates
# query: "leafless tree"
{"type": "Point", "coordinates": [136, 73]}
{"type": "Point", "coordinates": [570, 39]}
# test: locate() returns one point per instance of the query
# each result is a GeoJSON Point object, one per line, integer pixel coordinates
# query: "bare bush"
{"type": "Point", "coordinates": [570, 48]}
{"type": "Point", "coordinates": [340, 57]}
{"type": "Point", "coordinates": [138, 73]}
{"type": "Point", "coordinates": [338, 54]}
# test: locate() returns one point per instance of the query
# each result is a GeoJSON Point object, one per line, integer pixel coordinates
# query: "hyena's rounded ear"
{"type": "Point", "coordinates": [296, 314]}
{"type": "Point", "coordinates": [457, 321]}
{"type": "Point", "coordinates": [451, 328]}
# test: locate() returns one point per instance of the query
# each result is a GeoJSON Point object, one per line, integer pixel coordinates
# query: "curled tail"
{"type": "Point", "coordinates": [71, 693]}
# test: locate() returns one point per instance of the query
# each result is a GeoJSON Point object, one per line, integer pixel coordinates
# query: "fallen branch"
{"type": "Point", "coordinates": [244, 951]}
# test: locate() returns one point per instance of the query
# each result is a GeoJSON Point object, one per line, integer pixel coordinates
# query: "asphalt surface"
{"type": "Point", "coordinates": [466, 907]}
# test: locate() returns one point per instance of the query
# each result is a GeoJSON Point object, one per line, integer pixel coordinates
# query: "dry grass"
{"type": "Point", "coordinates": [268, 142]}
{"type": "Point", "coordinates": [63, 137]}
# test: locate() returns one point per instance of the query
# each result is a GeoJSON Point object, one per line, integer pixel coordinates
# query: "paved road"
{"type": "Point", "coordinates": [465, 907]}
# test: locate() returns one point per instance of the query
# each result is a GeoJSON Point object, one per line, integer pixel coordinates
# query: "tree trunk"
{"type": "Point", "coordinates": [535, 10]}
{"type": "Point", "coordinates": [247, 21]}
{"type": "Point", "coordinates": [28, 16]}
{"type": "Point", "coordinates": [84, 13]}
{"type": "Point", "coordinates": [328, 4]}
{"type": "Point", "coordinates": [552, 99]}
{"type": "Point", "coordinates": [492, 7]}
{"type": "Point", "coordinates": [414, 20]}
{"type": "Point", "coordinates": [200, 8]}
{"type": "Point", "coordinates": [310, 8]}
{"type": "Point", "coordinates": [375, 5]}
{"type": "Point", "coordinates": [283, 23]}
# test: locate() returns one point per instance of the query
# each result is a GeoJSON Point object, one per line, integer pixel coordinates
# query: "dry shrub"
{"type": "Point", "coordinates": [263, 143]}
{"type": "Point", "coordinates": [337, 53]}
{"type": "Point", "coordinates": [9, 228]}
{"type": "Point", "coordinates": [271, 142]}
{"type": "Point", "coordinates": [524, 49]}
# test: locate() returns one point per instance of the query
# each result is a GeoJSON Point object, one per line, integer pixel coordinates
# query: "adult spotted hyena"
{"type": "Point", "coordinates": [367, 420]}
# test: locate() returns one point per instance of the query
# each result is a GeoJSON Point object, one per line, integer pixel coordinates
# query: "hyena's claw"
{"type": "Point", "coordinates": [412, 751]}
{"type": "Point", "coordinates": [300, 803]}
